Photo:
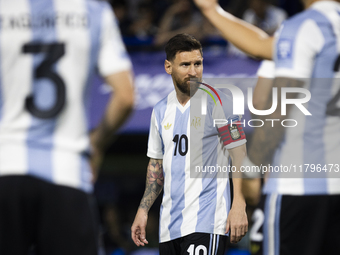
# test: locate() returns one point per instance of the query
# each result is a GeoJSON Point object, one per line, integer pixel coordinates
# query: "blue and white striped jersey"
{"type": "Point", "coordinates": [308, 46]}
{"type": "Point", "coordinates": [49, 50]}
{"type": "Point", "coordinates": [186, 140]}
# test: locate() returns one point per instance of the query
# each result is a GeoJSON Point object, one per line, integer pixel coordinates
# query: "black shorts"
{"type": "Point", "coordinates": [195, 244]}
{"type": "Point", "coordinates": [54, 219]}
{"type": "Point", "coordinates": [296, 225]}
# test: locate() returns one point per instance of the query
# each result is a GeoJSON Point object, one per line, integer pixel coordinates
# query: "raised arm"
{"type": "Point", "coordinates": [153, 187]}
{"type": "Point", "coordinates": [243, 35]}
{"type": "Point", "coordinates": [237, 223]}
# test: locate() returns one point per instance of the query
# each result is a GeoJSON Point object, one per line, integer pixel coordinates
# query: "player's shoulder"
{"type": "Point", "coordinates": [224, 97]}
{"type": "Point", "coordinates": [162, 104]}
{"type": "Point", "coordinates": [96, 5]}
{"type": "Point", "coordinates": [316, 15]}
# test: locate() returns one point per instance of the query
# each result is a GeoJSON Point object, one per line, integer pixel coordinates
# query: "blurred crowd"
{"type": "Point", "coordinates": [148, 24]}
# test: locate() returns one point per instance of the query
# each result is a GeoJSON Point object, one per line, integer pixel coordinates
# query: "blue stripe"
{"type": "Point", "coordinates": [277, 224]}
{"type": "Point", "coordinates": [86, 175]}
{"type": "Point", "coordinates": [178, 176]}
{"type": "Point", "coordinates": [320, 88]}
{"type": "Point", "coordinates": [285, 45]}
{"type": "Point", "coordinates": [210, 247]}
{"type": "Point", "coordinates": [160, 219]}
{"type": "Point", "coordinates": [217, 243]}
{"type": "Point", "coordinates": [208, 195]}
{"type": "Point", "coordinates": [40, 134]}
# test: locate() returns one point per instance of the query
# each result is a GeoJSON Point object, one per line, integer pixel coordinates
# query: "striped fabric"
{"type": "Point", "coordinates": [194, 200]}
{"type": "Point", "coordinates": [49, 50]}
{"type": "Point", "coordinates": [271, 226]}
{"type": "Point", "coordinates": [308, 46]}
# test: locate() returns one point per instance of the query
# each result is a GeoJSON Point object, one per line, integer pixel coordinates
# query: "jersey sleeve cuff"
{"type": "Point", "coordinates": [235, 144]}
{"type": "Point", "coordinates": [154, 155]}
{"type": "Point", "coordinates": [123, 66]}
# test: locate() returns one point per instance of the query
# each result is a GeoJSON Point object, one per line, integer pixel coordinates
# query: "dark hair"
{"type": "Point", "coordinates": [180, 43]}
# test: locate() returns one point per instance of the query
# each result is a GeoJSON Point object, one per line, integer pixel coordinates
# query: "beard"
{"type": "Point", "coordinates": [187, 85]}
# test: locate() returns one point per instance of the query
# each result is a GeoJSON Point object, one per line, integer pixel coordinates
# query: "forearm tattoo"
{"type": "Point", "coordinates": [154, 183]}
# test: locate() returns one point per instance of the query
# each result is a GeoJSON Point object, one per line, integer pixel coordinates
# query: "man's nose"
{"type": "Point", "coordinates": [192, 71]}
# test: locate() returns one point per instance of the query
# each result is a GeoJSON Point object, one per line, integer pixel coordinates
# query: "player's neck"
{"type": "Point", "coordinates": [182, 98]}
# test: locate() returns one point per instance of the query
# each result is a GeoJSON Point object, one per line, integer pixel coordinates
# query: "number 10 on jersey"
{"type": "Point", "coordinates": [181, 144]}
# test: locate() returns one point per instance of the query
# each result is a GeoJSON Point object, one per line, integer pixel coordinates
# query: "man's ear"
{"type": "Point", "coordinates": [168, 66]}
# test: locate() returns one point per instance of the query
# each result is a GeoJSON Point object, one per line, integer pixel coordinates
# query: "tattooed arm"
{"type": "Point", "coordinates": [154, 186]}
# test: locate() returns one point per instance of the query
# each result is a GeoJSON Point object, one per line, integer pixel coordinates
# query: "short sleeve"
{"type": "Point", "coordinates": [155, 143]}
{"type": "Point", "coordinates": [112, 57]}
{"type": "Point", "coordinates": [228, 125]}
{"type": "Point", "coordinates": [296, 46]}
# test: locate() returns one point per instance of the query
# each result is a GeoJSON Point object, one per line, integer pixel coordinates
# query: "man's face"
{"type": "Point", "coordinates": [187, 65]}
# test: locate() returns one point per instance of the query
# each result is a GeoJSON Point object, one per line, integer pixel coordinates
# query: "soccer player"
{"type": "Point", "coordinates": [195, 214]}
{"type": "Point", "coordinates": [300, 213]}
{"type": "Point", "coordinates": [50, 50]}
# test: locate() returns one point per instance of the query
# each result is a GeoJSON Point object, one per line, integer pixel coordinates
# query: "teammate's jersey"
{"type": "Point", "coordinates": [308, 46]}
{"type": "Point", "coordinates": [196, 198]}
{"type": "Point", "coordinates": [49, 50]}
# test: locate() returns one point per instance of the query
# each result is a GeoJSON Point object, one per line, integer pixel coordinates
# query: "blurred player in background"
{"type": "Point", "coordinates": [195, 212]}
{"type": "Point", "coordinates": [265, 75]}
{"type": "Point", "coordinates": [252, 184]}
{"type": "Point", "coordinates": [301, 214]}
{"type": "Point", "coordinates": [50, 50]}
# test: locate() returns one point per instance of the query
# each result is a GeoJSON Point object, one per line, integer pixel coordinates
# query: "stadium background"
{"type": "Point", "coordinates": [121, 181]}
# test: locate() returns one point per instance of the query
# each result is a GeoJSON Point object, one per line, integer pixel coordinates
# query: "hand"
{"type": "Point", "coordinates": [138, 228]}
{"type": "Point", "coordinates": [237, 223]}
{"type": "Point", "coordinates": [205, 5]}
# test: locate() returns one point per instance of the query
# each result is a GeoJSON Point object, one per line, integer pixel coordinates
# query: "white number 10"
{"type": "Point", "coordinates": [197, 250]}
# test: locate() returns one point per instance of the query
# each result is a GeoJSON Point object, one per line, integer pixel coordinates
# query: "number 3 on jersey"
{"type": "Point", "coordinates": [181, 144]}
{"type": "Point", "coordinates": [53, 52]}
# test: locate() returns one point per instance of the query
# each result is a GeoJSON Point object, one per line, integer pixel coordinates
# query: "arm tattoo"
{"type": "Point", "coordinates": [154, 183]}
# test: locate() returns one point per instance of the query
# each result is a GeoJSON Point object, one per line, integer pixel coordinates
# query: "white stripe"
{"type": "Point", "coordinates": [271, 224]}
{"type": "Point", "coordinates": [15, 121]}
{"type": "Point", "coordinates": [213, 245]}
{"type": "Point", "coordinates": [193, 185]}
{"type": "Point", "coordinates": [167, 135]}
{"type": "Point", "coordinates": [70, 131]}
{"type": "Point", "coordinates": [222, 182]}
